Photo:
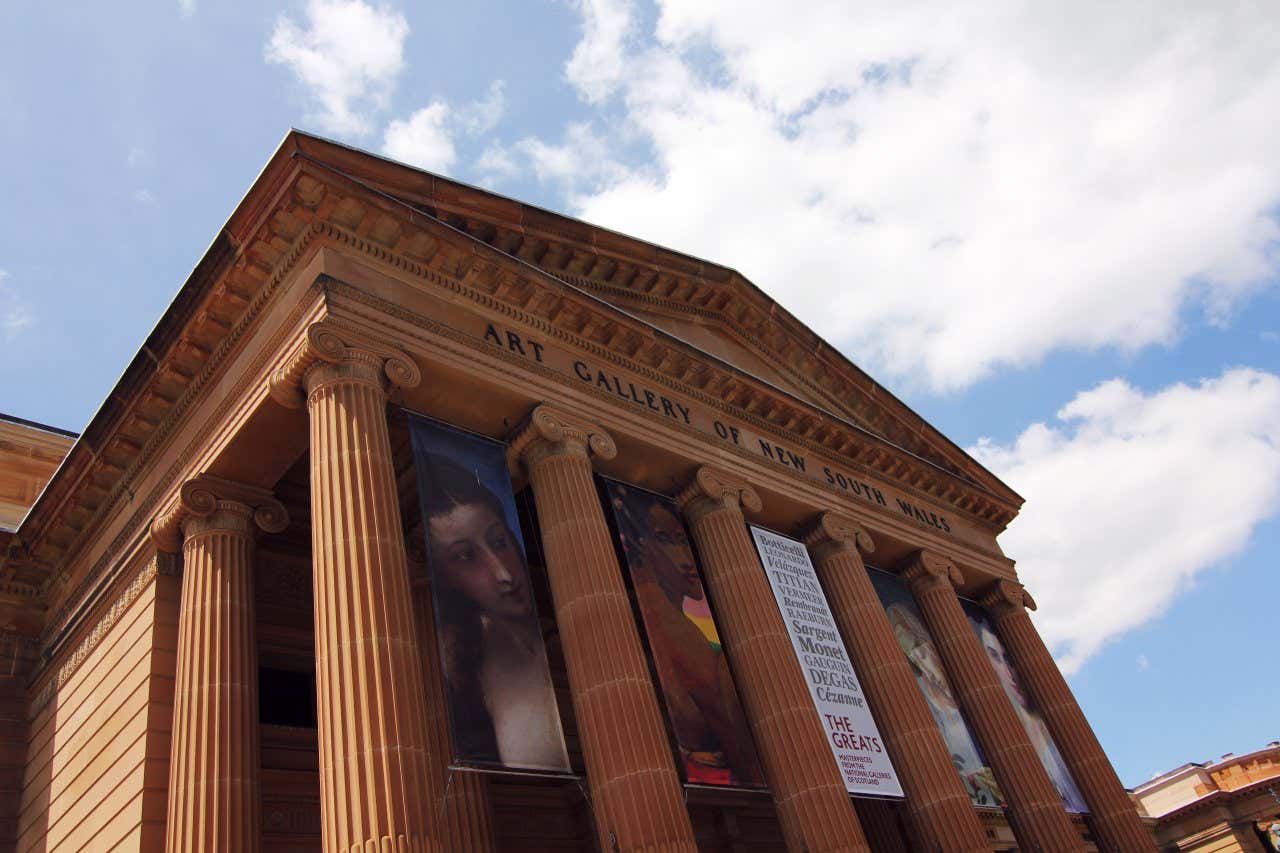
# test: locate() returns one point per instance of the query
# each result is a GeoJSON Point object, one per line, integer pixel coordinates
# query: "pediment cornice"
{"type": "Point", "coordinates": [534, 272]}
{"type": "Point", "coordinates": [631, 273]}
{"type": "Point", "coordinates": [406, 235]}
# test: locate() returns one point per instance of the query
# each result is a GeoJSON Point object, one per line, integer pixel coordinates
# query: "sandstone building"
{"type": "Point", "coordinates": [1224, 806]}
{"type": "Point", "coordinates": [222, 618]}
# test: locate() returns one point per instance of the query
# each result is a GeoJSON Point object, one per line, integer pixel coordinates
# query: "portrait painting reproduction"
{"type": "Point", "coordinates": [926, 665]}
{"type": "Point", "coordinates": [1028, 712]}
{"type": "Point", "coordinates": [501, 701]}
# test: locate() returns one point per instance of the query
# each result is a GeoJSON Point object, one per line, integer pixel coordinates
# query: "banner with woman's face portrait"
{"type": "Point", "coordinates": [700, 697]}
{"type": "Point", "coordinates": [502, 705]}
{"type": "Point", "coordinates": [917, 645]}
{"type": "Point", "coordinates": [1027, 710]}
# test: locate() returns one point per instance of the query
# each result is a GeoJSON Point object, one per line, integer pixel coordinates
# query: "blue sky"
{"type": "Point", "coordinates": [1053, 233]}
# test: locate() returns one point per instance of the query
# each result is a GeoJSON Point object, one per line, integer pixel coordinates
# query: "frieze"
{"type": "Point", "coordinates": [243, 282]}
{"type": "Point", "coordinates": [159, 564]}
{"type": "Point", "coordinates": [558, 314]}
{"type": "Point", "coordinates": [704, 416]}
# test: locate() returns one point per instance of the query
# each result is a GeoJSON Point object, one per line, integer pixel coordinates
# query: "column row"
{"type": "Point", "coordinates": [381, 754]}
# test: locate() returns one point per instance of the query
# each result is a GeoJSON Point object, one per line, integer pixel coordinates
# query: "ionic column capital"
{"type": "Point", "coordinates": [1005, 597]}
{"type": "Point", "coordinates": [207, 503]}
{"type": "Point", "coordinates": [331, 352]}
{"type": "Point", "coordinates": [549, 431]}
{"type": "Point", "coordinates": [834, 533]}
{"type": "Point", "coordinates": [713, 489]}
{"type": "Point", "coordinates": [925, 570]}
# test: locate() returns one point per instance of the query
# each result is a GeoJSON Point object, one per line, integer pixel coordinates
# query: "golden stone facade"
{"type": "Point", "coordinates": [240, 518]}
{"type": "Point", "coordinates": [1231, 805]}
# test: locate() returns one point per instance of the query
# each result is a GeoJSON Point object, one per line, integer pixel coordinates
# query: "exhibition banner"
{"type": "Point", "coordinates": [837, 696]}
{"type": "Point", "coordinates": [926, 665]}
{"type": "Point", "coordinates": [1028, 712]}
{"type": "Point", "coordinates": [502, 704]}
{"type": "Point", "coordinates": [698, 692]}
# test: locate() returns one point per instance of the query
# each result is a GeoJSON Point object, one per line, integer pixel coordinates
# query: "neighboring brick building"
{"type": "Point", "coordinates": [1232, 804]}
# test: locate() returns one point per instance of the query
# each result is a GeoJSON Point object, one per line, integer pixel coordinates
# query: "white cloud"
{"type": "Point", "coordinates": [426, 138]}
{"type": "Point", "coordinates": [600, 59]}
{"type": "Point", "coordinates": [581, 155]}
{"type": "Point", "coordinates": [348, 55]}
{"type": "Point", "coordinates": [144, 196]}
{"type": "Point", "coordinates": [1143, 663]}
{"type": "Point", "coordinates": [496, 163]}
{"type": "Point", "coordinates": [946, 189]}
{"type": "Point", "coordinates": [423, 139]}
{"type": "Point", "coordinates": [187, 7]}
{"type": "Point", "coordinates": [483, 115]}
{"type": "Point", "coordinates": [1131, 495]}
{"type": "Point", "coordinates": [15, 313]}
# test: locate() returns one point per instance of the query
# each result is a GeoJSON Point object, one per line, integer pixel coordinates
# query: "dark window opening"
{"type": "Point", "coordinates": [286, 698]}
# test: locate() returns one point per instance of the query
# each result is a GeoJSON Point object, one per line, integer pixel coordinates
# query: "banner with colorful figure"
{"type": "Point", "coordinates": [697, 687]}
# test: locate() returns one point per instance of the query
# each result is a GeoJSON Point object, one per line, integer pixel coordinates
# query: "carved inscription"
{"type": "Point", "coordinates": [635, 392]}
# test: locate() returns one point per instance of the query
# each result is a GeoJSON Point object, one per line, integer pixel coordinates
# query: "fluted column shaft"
{"type": "Point", "coordinates": [376, 790]}
{"type": "Point", "coordinates": [937, 803]}
{"type": "Point", "coordinates": [213, 780]}
{"type": "Point", "coordinates": [466, 810]}
{"type": "Point", "coordinates": [813, 805]}
{"type": "Point", "coordinates": [1112, 813]}
{"type": "Point", "coordinates": [1035, 808]}
{"type": "Point", "coordinates": [635, 792]}
{"type": "Point", "coordinates": [213, 775]}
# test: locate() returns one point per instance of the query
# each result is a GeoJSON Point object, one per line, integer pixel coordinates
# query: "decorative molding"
{"type": "Point", "coordinates": [713, 488]}
{"type": "Point", "coordinates": [1004, 597]}
{"type": "Point", "coordinates": [77, 600]}
{"type": "Point", "coordinates": [633, 272]}
{"type": "Point", "coordinates": [206, 497]}
{"type": "Point", "coordinates": [583, 322]}
{"type": "Point", "coordinates": [327, 342]}
{"type": "Point", "coordinates": [927, 569]}
{"type": "Point", "coordinates": [550, 430]}
{"type": "Point", "coordinates": [102, 479]}
{"type": "Point", "coordinates": [180, 378]}
{"type": "Point", "coordinates": [833, 529]}
{"type": "Point", "coordinates": [159, 564]}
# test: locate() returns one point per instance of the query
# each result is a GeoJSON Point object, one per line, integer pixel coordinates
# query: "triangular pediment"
{"type": "Point", "coordinates": [712, 337]}
{"type": "Point", "coordinates": [711, 308]}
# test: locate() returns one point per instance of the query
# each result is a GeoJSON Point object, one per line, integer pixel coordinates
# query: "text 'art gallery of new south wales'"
{"type": "Point", "coordinates": [430, 520]}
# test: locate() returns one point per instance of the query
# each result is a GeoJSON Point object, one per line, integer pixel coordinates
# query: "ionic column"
{"type": "Point", "coordinates": [376, 792]}
{"type": "Point", "coordinates": [466, 810]}
{"type": "Point", "coordinates": [635, 792]}
{"type": "Point", "coordinates": [1035, 808]}
{"type": "Point", "coordinates": [936, 800]}
{"type": "Point", "coordinates": [813, 805]}
{"type": "Point", "coordinates": [1112, 814]}
{"type": "Point", "coordinates": [213, 775]}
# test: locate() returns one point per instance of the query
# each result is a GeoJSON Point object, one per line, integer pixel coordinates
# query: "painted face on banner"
{"type": "Point", "coordinates": [698, 693]}
{"type": "Point", "coordinates": [672, 558]}
{"type": "Point", "coordinates": [1004, 669]}
{"type": "Point", "coordinates": [499, 691]}
{"type": "Point", "coordinates": [477, 555]}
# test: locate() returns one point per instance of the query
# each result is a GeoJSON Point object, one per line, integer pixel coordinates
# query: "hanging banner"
{"type": "Point", "coordinates": [926, 665]}
{"type": "Point", "coordinates": [702, 702]}
{"type": "Point", "coordinates": [502, 705]}
{"type": "Point", "coordinates": [1028, 712]}
{"type": "Point", "coordinates": [837, 696]}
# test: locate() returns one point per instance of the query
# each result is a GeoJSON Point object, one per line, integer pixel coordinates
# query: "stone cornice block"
{"type": "Point", "coordinates": [202, 496]}
{"type": "Point", "coordinates": [328, 342]}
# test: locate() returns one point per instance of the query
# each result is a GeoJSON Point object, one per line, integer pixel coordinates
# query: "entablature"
{"type": "Point", "coordinates": [141, 443]}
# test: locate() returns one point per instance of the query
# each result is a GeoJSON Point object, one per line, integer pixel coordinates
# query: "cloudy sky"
{"type": "Point", "coordinates": [1054, 229]}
